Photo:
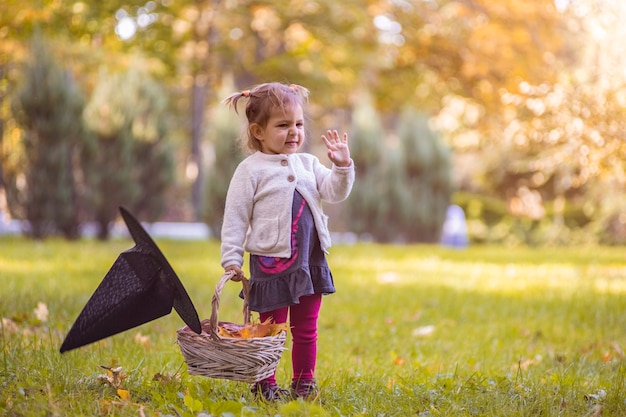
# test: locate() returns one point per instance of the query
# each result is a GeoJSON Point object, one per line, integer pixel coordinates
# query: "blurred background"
{"type": "Point", "coordinates": [507, 115]}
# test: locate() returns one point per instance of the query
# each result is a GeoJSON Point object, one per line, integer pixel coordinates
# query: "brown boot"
{"type": "Point", "coordinates": [270, 391]}
{"type": "Point", "coordinates": [304, 388]}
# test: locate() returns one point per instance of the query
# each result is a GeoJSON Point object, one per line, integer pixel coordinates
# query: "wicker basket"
{"type": "Point", "coordinates": [246, 360]}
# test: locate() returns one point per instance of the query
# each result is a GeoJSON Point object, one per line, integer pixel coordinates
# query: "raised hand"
{"type": "Point", "coordinates": [338, 151]}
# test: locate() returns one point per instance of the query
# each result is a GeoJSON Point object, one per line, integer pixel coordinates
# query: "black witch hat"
{"type": "Point", "coordinates": [141, 286]}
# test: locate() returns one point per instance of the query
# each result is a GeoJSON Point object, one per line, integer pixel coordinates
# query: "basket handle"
{"type": "Point", "coordinates": [215, 302]}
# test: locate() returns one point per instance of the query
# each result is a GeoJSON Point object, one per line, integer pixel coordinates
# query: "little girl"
{"type": "Point", "coordinates": [274, 212]}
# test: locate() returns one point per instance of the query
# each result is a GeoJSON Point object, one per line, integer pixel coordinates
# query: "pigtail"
{"type": "Point", "coordinates": [302, 91]}
{"type": "Point", "coordinates": [231, 101]}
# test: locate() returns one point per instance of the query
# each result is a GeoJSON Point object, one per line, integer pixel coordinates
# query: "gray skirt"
{"type": "Point", "coordinates": [280, 282]}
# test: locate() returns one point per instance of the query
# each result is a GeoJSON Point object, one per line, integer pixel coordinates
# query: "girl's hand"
{"type": "Point", "coordinates": [338, 151]}
{"type": "Point", "coordinates": [238, 272]}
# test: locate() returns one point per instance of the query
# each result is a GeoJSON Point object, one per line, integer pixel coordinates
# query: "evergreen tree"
{"type": "Point", "coordinates": [224, 131]}
{"type": "Point", "coordinates": [403, 186]}
{"type": "Point", "coordinates": [367, 201]}
{"type": "Point", "coordinates": [131, 165]}
{"type": "Point", "coordinates": [427, 180]}
{"type": "Point", "coordinates": [48, 107]}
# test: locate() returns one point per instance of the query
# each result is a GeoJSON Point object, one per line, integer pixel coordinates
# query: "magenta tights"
{"type": "Point", "coordinates": [303, 323]}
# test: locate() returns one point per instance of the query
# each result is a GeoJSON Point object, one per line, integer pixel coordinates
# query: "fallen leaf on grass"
{"type": "Point", "coordinates": [615, 352]}
{"type": "Point", "coordinates": [9, 325]}
{"type": "Point", "coordinates": [525, 363]}
{"type": "Point", "coordinates": [424, 331]}
{"type": "Point", "coordinates": [388, 278]}
{"type": "Point", "coordinates": [41, 312]}
{"type": "Point", "coordinates": [124, 394]}
{"type": "Point", "coordinates": [397, 359]}
{"type": "Point", "coordinates": [599, 396]}
{"type": "Point", "coordinates": [166, 378]}
{"type": "Point", "coordinates": [114, 376]}
{"type": "Point", "coordinates": [142, 340]}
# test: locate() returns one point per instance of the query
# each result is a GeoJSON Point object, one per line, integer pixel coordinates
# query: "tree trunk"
{"type": "Point", "coordinates": [198, 97]}
{"type": "Point", "coordinates": [204, 76]}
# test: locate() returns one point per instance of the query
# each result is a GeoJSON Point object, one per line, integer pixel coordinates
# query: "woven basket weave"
{"type": "Point", "coordinates": [246, 360]}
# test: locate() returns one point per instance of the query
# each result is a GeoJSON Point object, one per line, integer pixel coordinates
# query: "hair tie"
{"type": "Point", "coordinates": [245, 93]}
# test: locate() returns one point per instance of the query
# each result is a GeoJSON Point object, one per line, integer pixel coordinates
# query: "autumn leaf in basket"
{"type": "Point", "coordinates": [251, 330]}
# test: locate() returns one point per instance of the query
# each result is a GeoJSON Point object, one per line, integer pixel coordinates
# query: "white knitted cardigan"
{"type": "Point", "coordinates": [257, 216]}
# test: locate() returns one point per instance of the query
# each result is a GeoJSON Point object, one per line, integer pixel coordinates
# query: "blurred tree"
{"type": "Point", "coordinates": [469, 48]}
{"type": "Point", "coordinates": [48, 108]}
{"type": "Point", "coordinates": [132, 164]}
{"type": "Point", "coordinates": [426, 178]}
{"type": "Point", "coordinates": [289, 41]}
{"type": "Point", "coordinates": [82, 36]}
{"type": "Point", "coordinates": [561, 142]}
{"type": "Point", "coordinates": [404, 183]}
{"type": "Point", "coordinates": [368, 200]}
{"type": "Point", "coordinates": [225, 136]}
{"type": "Point", "coordinates": [483, 69]}
{"type": "Point", "coordinates": [266, 41]}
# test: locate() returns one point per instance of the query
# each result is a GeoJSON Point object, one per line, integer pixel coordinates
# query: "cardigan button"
{"type": "Point", "coordinates": [291, 178]}
{"type": "Point", "coordinates": [284, 162]}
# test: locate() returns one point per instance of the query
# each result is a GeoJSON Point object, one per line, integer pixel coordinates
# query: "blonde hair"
{"type": "Point", "coordinates": [262, 99]}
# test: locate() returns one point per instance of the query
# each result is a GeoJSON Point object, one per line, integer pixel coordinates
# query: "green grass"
{"type": "Point", "coordinates": [411, 331]}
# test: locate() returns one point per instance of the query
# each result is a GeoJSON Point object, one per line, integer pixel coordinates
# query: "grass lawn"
{"type": "Point", "coordinates": [411, 331]}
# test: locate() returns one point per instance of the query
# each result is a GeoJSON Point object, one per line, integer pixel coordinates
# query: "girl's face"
{"type": "Point", "coordinates": [284, 132]}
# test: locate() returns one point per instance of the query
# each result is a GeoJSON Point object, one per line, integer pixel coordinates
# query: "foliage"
{"type": "Point", "coordinates": [131, 165]}
{"type": "Point", "coordinates": [251, 330]}
{"type": "Point", "coordinates": [48, 108]}
{"type": "Point", "coordinates": [403, 184]}
{"type": "Point", "coordinates": [490, 222]}
{"type": "Point", "coordinates": [426, 178]}
{"type": "Point", "coordinates": [482, 331]}
{"type": "Point", "coordinates": [365, 205]}
{"type": "Point", "coordinates": [263, 41]}
{"type": "Point", "coordinates": [527, 87]}
{"type": "Point", "coordinates": [224, 131]}
{"type": "Point", "coordinates": [468, 48]}
{"type": "Point", "coordinates": [556, 141]}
